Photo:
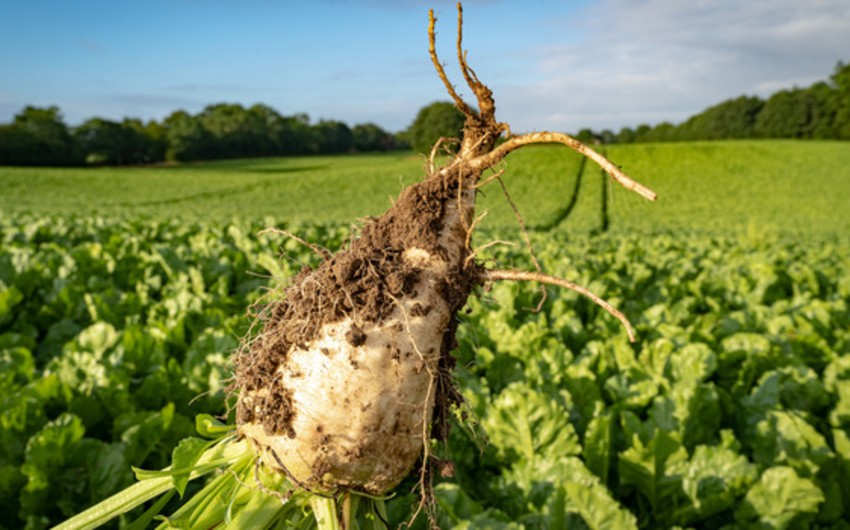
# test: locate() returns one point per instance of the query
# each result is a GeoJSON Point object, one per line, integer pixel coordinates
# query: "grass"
{"type": "Point", "coordinates": [770, 186]}
{"type": "Point", "coordinates": [712, 187]}
{"type": "Point", "coordinates": [315, 189]}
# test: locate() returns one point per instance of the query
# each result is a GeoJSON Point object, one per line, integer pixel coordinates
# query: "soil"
{"type": "Point", "coordinates": [363, 282]}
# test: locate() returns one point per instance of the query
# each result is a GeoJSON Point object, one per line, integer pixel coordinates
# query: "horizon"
{"type": "Point", "coordinates": [598, 64]}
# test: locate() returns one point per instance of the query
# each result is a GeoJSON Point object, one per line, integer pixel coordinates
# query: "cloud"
{"type": "Point", "coordinates": [653, 60]}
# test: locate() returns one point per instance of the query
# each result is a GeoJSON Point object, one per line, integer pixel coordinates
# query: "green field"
{"type": "Point", "coordinates": [717, 187]}
{"type": "Point", "coordinates": [123, 292]}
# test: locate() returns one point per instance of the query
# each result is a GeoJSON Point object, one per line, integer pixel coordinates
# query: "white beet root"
{"type": "Point", "coordinates": [361, 394]}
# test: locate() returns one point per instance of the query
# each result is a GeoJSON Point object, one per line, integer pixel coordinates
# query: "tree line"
{"type": "Point", "coordinates": [820, 111]}
{"type": "Point", "coordinates": [39, 136]}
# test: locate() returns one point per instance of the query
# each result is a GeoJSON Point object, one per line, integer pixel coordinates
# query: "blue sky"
{"type": "Point", "coordinates": [552, 65]}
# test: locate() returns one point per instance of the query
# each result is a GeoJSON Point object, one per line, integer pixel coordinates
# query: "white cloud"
{"type": "Point", "coordinates": [654, 60]}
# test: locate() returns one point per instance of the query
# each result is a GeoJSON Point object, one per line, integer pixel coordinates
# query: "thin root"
{"type": "Point", "coordinates": [495, 275]}
{"type": "Point", "coordinates": [468, 241]}
{"type": "Point", "coordinates": [515, 142]}
{"type": "Point", "coordinates": [485, 246]}
{"type": "Point", "coordinates": [321, 251]}
{"type": "Point", "coordinates": [432, 50]}
{"type": "Point", "coordinates": [490, 179]}
{"type": "Point", "coordinates": [527, 239]}
{"type": "Point", "coordinates": [440, 141]}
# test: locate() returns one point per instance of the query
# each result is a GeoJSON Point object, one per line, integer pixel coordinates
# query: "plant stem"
{"type": "Point", "coordinates": [325, 512]}
{"type": "Point", "coordinates": [148, 488]}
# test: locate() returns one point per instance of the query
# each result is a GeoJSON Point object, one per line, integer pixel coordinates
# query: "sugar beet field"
{"type": "Point", "coordinates": [124, 291]}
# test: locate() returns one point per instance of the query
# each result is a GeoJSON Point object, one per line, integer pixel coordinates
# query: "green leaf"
{"type": "Point", "coordinates": [713, 480]}
{"type": "Point", "coordinates": [524, 422]}
{"type": "Point", "coordinates": [210, 427]}
{"type": "Point", "coordinates": [46, 455]}
{"type": "Point", "coordinates": [781, 499]}
{"type": "Point", "coordinates": [695, 362]}
{"type": "Point", "coordinates": [598, 447]}
{"type": "Point", "coordinates": [141, 432]}
{"type": "Point", "coordinates": [634, 389]}
{"type": "Point", "coordinates": [97, 338]}
{"type": "Point", "coordinates": [455, 502]}
{"type": "Point", "coordinates": [9, 298]}
{"type": "Point", "coordinates": [144, 520]}
{"type": "Point", "coordinates": [17, 368]}
{"type": "Point", "coordinates": [460, 511]}
{"type": "Point", "coordinates": [183, 460]}
{"type": "Point", "coordinates": [788, 439]}
{"type": "Point", "coordinates": [590, 499]}
{"type": "Point", "coordinates": [646, 465]}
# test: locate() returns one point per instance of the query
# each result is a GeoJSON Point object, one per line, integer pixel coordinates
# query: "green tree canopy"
{"type": "Point", "coordinates": [37, 136]}
{"type": "Point", "coordinates": [187, 138]}
{"type": "Point", "coordinates": [128, 142]}
{"type": "Point", "coordinates": [841, 82]}
{"type": "Point", "coordinates": [733, 118]}
{"type": "Point", "coordinates": [797, 113]}
{"type": "Point", "coordinates": [334, 137]}
{"type": "Point", "coordinates": [440, 119]}
{"type": "Point", "coordinates": [370, 137]}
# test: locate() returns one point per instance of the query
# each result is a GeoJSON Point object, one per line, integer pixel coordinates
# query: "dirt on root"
{"type": "Point", "coordinates": [363, 282]}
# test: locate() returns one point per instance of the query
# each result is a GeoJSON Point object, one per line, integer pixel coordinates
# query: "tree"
{"type": "Point", "coordinates": [370, 137]}
{"type": "Point", "coordinates": [663, 132]}
{"type": "Point", "coordinates": [626, 135]}
{"type": "Point", "coordinates": [100, 141]}
{"type": "Point", "coordinates": [841, 101]}
{"type": "Point", "coordinates": [38, 137]}
{"type": "Point", "coordinates": [734, 118]}
{"type": "Point", "coordinates": [14, 143]}
{"type": "Point", "coordinates": [796, 113]}
{"type": "Point", "coordinates": [642, 133]}
{"type": "Point", "coordinates": [155, 139]}
{"type": "Point", "coordinates": [238, 132]}
{"type": "Point", "coordinates": [607, 136]}
{"type": "Point", "coordinates": [333, 137]}
{"type": "Point", "coordinates": [440, 119]}
{"type": "Point", "coordinates": [587, 136]}
{"type": "Point", "coordinates": [296, 136]}
{"type": "Point", "coordinates": [129, 142]}
{"type": "Point", "coordinates": [187, 138]}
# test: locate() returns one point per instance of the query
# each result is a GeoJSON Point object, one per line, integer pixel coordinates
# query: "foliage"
{"type": "Point", "coordinates": [798, 113]}
{"type": "Point", "coordinates": [731, 410]}
{"type": "Point", "coordinates": [841, 81]}
{"type": "Point", "coordinates": [37, 136]}
{"type": "Point", "coordinates": [726, 413]}
{"type": "Point", "coordinates": [735, 118]}
{"type": "Point", "coordinates": [111, 143]}
{"type": "Point", "coordinates": [334, 137]}
{"type": "Point", "coordinates": [370, 137]}
{"type": "Point", "coordinates": [438, 120]}
{"type": "Point", "coordinates": [113, 336]}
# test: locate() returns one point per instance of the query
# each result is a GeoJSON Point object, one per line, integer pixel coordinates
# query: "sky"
{"type": "Point", "coordinates": [556, 65]}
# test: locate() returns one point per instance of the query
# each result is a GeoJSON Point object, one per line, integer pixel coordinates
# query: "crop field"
{"type": "Point", "coordinates": [124, 291]}
{"type": "Point", "coordinates": [710, 187]}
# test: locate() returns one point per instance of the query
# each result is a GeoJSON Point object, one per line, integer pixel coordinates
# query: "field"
{"type": "Point", "coordinates": [123, 291]}
{"type": "Point", "coordinates": [717, 187]}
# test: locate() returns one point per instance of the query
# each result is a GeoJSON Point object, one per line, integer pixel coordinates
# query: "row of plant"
{"type": "Point", "coordinates": [732, 409]}
{"type": "Point", "coordinates": [113, 336]}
